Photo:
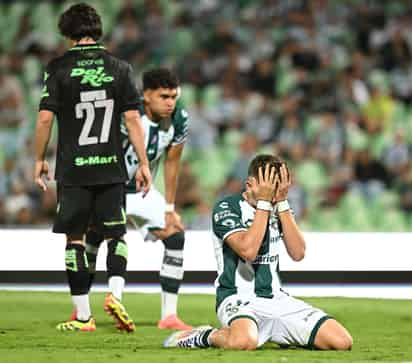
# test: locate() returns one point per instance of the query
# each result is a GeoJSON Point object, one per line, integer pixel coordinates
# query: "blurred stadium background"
{"type": "Point", "coordinates": [325, 84]}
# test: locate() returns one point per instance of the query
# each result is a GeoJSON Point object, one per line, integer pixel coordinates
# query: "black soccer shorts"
{"type": "Point", "coordinates": [102, 205]}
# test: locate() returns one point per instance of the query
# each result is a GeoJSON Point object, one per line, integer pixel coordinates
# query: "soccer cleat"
{"type": "Point", "coordinates": [114, 308]}
{"type": "Point", "coordinates": [188, 339]}
{"type": "Point", "coordinates": [73, 316]}
{"type": "Point", "coordinates": [76, 325]}
{"type": "Point", "coordinates": [173, 322]}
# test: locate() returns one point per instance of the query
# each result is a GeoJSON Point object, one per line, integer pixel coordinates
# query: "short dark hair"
{"type": "Point", "coordinates": [160, 78]}
{"type": "Point", "coordinates": [79, 21]}
{"type": "Point", "coordinates": [261, 161]}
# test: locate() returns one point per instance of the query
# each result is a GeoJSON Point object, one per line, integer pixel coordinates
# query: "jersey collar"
{"type": "Point", "coordinates": [94, 46]}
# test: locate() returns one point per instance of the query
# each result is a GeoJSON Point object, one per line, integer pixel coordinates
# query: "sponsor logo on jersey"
{"type": "Point", "coordinates": [95, 160]}
{"type": "Point", "coordinates": [93, 76]}
{"type": "Point", "coordinates": [225, 214]}
{"type": "Point", "coordinates": [90, 62]}
{"type": "Point", "coordinates": [266, 259]}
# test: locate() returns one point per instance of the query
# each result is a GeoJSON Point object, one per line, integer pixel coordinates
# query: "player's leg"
{"type": "Point", "coordinates": [300, 324]}
{"type": "Point", "coordinates": [111, 221]}
{"type": "Point", "coordinates": [242, 334]}
{"type": "Point", "coordinates": [333, 336]}
{"type": "Point", "coordinates": [93, 241]}
{"type": "Point", "coordinates": [73, 212]}
{"type": "Point", "coordinates": [171, 276]}
{"type": "Point", "coordinates": [151, 209]}
{"type": "Point", "coordinates": [239, 330]}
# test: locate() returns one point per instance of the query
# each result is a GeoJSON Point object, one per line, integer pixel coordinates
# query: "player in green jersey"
{"type": "Point", "coordinates": [249, 229]}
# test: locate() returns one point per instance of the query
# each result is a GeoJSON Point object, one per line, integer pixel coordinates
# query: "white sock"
{"type": "Point", "coordinates": [116, 286]}
{"type": "Point", "coordinates": [169, 304]}
{"type": "Point", "coordinates": [81, 303]}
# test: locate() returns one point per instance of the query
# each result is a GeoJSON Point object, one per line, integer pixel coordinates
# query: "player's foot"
{"type": "Point", "coordinates": [76, 325]}
{"type": "Point", "coordinates": [189, 338]}
{"type": "Point", "coordinates": [114, 308]}
{"type": "Point", "coordinates": [173, 322]}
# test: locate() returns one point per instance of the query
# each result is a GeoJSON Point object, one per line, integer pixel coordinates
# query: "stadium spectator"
{"type": "Point", "coordinates": [305, 58]}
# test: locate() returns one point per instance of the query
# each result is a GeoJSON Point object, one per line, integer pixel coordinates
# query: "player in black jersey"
{"type": "Point", "coordinates": [89, 90]}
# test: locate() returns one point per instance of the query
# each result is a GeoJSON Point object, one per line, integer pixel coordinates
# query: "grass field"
{"type": "Point", "coordinates": [382, 332]}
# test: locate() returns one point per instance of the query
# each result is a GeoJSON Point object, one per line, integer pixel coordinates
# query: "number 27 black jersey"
{"type": "Point", "coordinates": [88, 89]}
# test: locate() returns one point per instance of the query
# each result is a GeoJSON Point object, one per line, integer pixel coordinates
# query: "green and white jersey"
{"type": "Point", "coordinates": [158, 137]}
{"type": "Point", "coordinates": [235, 275]}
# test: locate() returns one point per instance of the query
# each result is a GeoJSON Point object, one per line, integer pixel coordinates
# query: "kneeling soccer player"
{"type": "Point", "coordinates": [249, 229]}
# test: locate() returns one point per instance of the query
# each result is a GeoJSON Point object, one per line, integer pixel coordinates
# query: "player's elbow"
{"type": "Point", "coordinates": [248, 254]}
{"type": "Point", "coordinates": [45, 118]}
{"type": "Point", "coordinates": [131, 119]}
{"type": "Point", "coordinates": [298, 255]}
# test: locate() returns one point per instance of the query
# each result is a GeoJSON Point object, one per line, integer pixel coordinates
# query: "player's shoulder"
{"type": "Point", "coordinates": [116, 62]}
{"type": "Point", "coordinates": [56, 63]}
{"type": "Point", "coordinates": [231, 202]}
{"type": "Point", "coordinates": [180, 114]}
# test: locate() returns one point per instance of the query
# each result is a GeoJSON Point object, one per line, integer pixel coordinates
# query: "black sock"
{"type": "Point", "coordinates": [77, 269]}
{"type": "Point", "coordinates": [116, 258]}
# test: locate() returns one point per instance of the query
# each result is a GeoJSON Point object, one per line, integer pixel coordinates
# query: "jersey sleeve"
{"type": "Point", "coordinates": [49, 99]}
{"type": "Point", "coordinates": [181, 120]}
{"type": "Point", "coordinates": [226, 220]}
{"type": "Point", "coordinates": [130, 95]}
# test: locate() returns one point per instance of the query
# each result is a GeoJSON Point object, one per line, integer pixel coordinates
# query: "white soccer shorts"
{"type": "Point", "coordinates": [150, 209]}
{"type": "Point", "coordinates": [282, 319]}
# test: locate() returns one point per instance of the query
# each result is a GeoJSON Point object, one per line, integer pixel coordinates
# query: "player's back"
{"type": "Point", "coordinates": [88, 89]}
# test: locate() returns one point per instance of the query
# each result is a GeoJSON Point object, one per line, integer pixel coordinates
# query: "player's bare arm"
{"type": "Point", "coordinates": [171, 171]}
{"type": "Point", "coordinates": [293, 237]}
{"type": "Point", "coordinates": [261, 189]}
{"type": "Point", "coordinates": [136, 136]}
{"type": "Point", "coordinates": [44, 125]}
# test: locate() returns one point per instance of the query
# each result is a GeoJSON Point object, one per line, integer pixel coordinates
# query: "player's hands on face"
{"type": "Point", "coordinates": [41, 169]}
{"type": "Point", "coordinates": [173, 219]}
{"type": "Point", "coordinates": [264, 186]}
{"type": "Point", "coordinates": [283, 185]}
{"type": "Point", "coordinates": [143, 179]}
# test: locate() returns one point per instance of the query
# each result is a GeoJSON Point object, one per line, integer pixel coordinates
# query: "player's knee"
{"type": "Point", "coordinates": [94, 238]}
{"type": "Point", "coordinates": [342, 342]}
{"type": "Point", "coordinates": [244, 342]}
{"type": "Point", "coordinates": [175, 241]}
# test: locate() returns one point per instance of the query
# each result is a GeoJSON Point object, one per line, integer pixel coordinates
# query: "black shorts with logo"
{"type": "Point", "coordinates": [100, 205]}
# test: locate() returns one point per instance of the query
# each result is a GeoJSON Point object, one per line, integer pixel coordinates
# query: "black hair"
{"type": "Point", "coordinates": [80, 21]}
{"type": "Point", "coordinates": [261, 161]}
{"type": "Point", "coordinates": [160, 78]}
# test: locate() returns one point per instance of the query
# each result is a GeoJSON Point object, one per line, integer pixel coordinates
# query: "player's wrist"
{"type": "Point", "coordinates": [282, 206]}
{"type": "Point", "coordinates": [169, 207]}
{"type": "Point", "coordinates": [264, 205]}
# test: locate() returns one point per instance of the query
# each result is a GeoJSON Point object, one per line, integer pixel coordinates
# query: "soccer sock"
{"type": "Point", "coordinates": [171, 273]}
{"type": "Point", "coordinates": [81, 302]}
{"type": "Point", "coordinates": [169, 303]}
{"type": "Point", "coordinates": [78, 278]}
{"type": "Point", "coordinates": [93, 242]}
{"type": "Point", "coordinates": [201, 340]}
{"type": "Point", "coordinates": [116, 286]}
{"type": "Point", "coordinates": [116, 266]}
{"type": "Point", "coordinates": [205, 341]}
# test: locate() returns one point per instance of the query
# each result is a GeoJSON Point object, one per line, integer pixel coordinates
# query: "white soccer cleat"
{"type": "Point", "coordinates": [187, 338]}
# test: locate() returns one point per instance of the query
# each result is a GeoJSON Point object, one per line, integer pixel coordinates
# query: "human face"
{"type": "Point", "coordinates": [160, 103]}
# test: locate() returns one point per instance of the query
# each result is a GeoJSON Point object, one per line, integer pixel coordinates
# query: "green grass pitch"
{"type": "Point", "coordinates": [382, 332]}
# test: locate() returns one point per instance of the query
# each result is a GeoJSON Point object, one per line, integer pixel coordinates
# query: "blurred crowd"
{"type": "Point", "coordinates": [327, 85]}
